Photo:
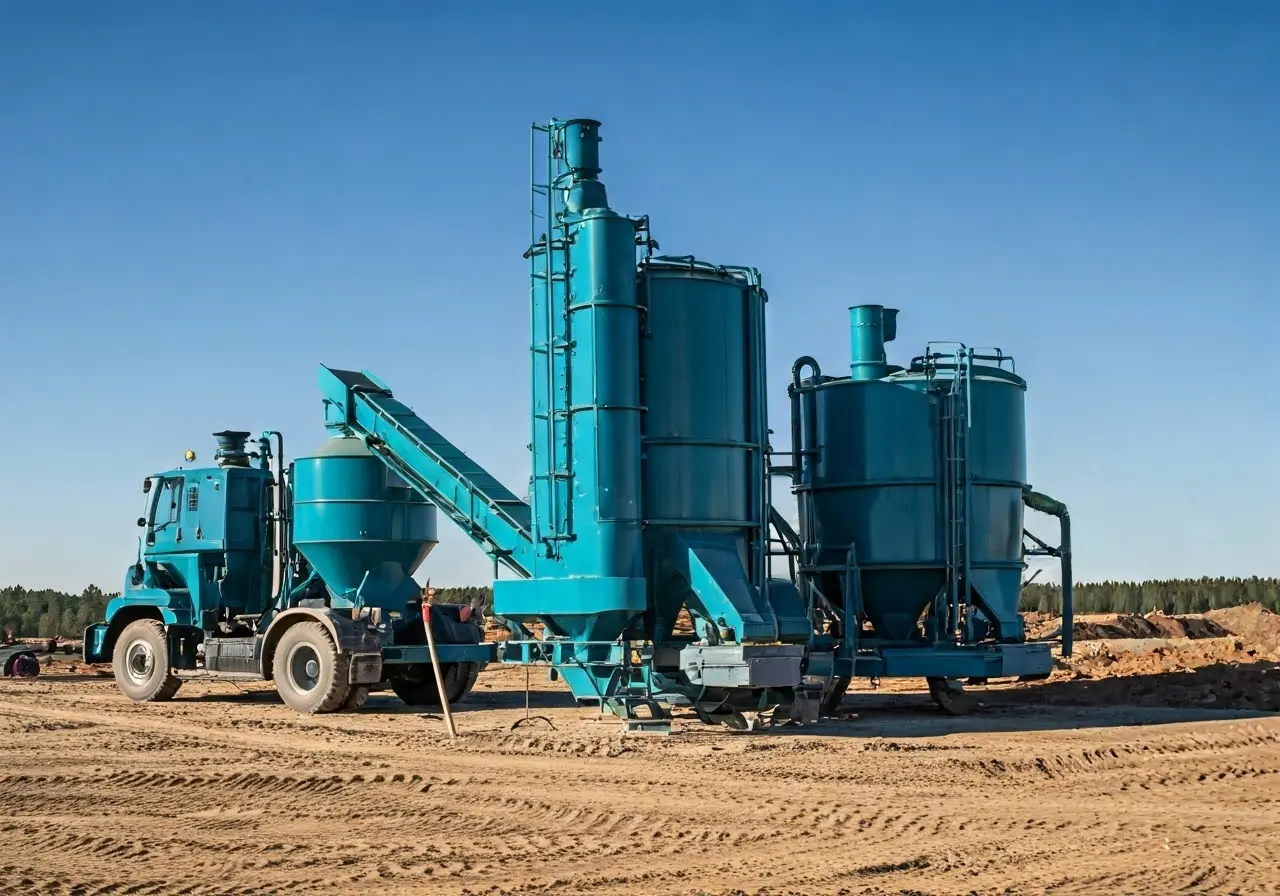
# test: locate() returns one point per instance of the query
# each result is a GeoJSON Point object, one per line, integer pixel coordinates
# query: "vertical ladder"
{"type": "Point", "coordinates": [956, 423]}
{"type": "Point", "coordinates": [549, 272]}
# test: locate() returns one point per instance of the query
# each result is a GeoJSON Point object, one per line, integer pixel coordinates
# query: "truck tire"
{"type": "Point", "coordinates": [309, 672]}
{"type": "Point", "coordinates": [419, 687]}
{"type": "Point", "coordinates": [356, 697]}
{"type": "Point", "coordinates": [141, 663]}
{"type": "Point", "coordinates": [24, 665]}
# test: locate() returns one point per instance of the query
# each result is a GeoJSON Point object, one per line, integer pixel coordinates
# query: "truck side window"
{"type": "Point", "coordinates": [167, 503]}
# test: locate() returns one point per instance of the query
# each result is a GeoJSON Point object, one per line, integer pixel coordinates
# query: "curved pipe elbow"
{"type": "Point", "coordinates": [801, 363]}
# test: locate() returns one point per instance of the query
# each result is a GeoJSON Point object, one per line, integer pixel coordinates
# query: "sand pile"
{"type": "Point", "coordinates": [1253, 624]}
{"type": "Point", "coordinates": [1225, 659]}
{"type": "Point", "coordinates": [1126, 625]}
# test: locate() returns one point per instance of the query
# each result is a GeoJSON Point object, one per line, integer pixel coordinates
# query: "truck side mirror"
{"type": "Point", "coordinates": [146, 485]}
{"type": "Point", "coordinates": [142, 521]}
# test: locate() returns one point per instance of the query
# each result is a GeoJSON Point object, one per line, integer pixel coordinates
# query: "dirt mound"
{"type": "Point", "coordinates": [1252, 623]}
{"type": "Point", "coordinates": [1140, 681]}
{"type": "Point", "coordinates": [1222, 673]}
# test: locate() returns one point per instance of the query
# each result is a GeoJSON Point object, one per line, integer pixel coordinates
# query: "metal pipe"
{"type": "Point", "coordinates": [870, 327]}
{"type": "Point", "coordinates": [1068, 606]}
{"type": "Point", "coordinates": [279, 548]}
{"type": "Point", "coordinates": [967, 370]}
{"type": "Point", "coordinates": [1047, 505]}
{"type": "Point", "coordinates": [760, 433]}
{"type": "Point", "coordinates": [798, 448]}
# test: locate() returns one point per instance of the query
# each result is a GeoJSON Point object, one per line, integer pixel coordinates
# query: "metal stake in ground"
{"type": "Point", "coordinates": [529, 719]}
{"type": "Point", "coordinates": [435, 661]}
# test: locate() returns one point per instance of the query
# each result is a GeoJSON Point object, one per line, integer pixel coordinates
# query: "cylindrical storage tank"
{"type": "Point", "coordinates": [704, 428]}
{"type": "Point", "coordinates": [879, 483]}
{"type": "Point", "coordinates": [359, 526]}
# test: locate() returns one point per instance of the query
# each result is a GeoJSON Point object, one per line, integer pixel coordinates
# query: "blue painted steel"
{"type": "Point", "coordinates": [586, 404]}
{"type": "Point", "coordinates": [201, 547]}
{"type": "Point", "coordinates": [996, 474]}
{"type": "Point", "coordinates": [878, 480]}
{"type": "Point", "coordinates": [359, 526]}
{"type": "Point", "coordinates": [876, 487]}
{"type": "Point", "coordinates": [938, 661]}
{"type": "Point", "coordinates": [580, 548]}
{"type": "Point", "coordinates": [225, 550]}
{"type": "Point", "coordinates": [498, 521]}
{"type": "Point", "coordinates": [870, 327]}
{"type": "Point", "coordinates": [1042, 503]}
{"type": "Point", "coordinates": [485, 652]}
{"type": "Point", "coordinates": [706, 434]}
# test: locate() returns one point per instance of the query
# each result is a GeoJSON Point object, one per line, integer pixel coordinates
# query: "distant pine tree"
{"type": "Point", "coordinates": [1165, 595]}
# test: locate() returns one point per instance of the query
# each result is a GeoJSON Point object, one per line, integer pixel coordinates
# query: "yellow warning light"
{"type": "Point", "coordinates": [190, 455]}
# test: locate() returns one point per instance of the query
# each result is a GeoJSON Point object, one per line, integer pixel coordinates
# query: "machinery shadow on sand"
{"type": "Point", "coordinates": [1216, 692]}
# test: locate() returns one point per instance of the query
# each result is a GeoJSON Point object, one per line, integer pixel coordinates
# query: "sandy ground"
{"type": "Point", "coordinates": [1091, 782]}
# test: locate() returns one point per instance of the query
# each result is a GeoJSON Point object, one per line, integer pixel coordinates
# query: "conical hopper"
{"type": "Point", "coordinates": [362, 530]}
{"type": "Point", "coordinates": [894, 600]}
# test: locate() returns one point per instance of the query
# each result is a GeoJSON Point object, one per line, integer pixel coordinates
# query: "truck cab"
{"type": "Point", "coordinates": [220, 587]}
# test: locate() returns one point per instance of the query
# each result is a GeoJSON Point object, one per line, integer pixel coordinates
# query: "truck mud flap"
{"type": "Point", "coordinates": [366, 668]}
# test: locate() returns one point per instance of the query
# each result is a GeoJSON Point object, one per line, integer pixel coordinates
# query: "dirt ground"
{"type": "Point", "coordinates": [1145, 765]}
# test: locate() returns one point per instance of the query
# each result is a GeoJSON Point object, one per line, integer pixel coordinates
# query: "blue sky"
{"type": "Point", "coordinates": [202, 202]}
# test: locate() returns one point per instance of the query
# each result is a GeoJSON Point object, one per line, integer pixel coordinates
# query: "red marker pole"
{"type": "Point", "coordinates": [435, 660]}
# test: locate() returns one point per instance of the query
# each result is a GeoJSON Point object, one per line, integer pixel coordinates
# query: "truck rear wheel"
{"type": "Point", "coordinates": [309, 672]}
{"type": "Point", "coordinates": [418, 687]}
{"type": "Point", "coordinates": [356, 697]}
{"type": "Point", "coordinates": [141, 663]}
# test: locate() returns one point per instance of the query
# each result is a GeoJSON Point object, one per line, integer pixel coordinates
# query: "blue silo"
{"type": "Point", "coordinates": [359, 526]}
{"type": "Point", "coordinates": [910, 485]}
{"type": "Point", "coordinates": [706, 437]}
{"type": "Point", "coordinates": [649, 432]}
{"type": "Point", "coordinates": [588, 580]}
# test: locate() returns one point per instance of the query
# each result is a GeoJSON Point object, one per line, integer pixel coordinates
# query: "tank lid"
{"type": "Point", "coordinates": [342, 446]}
{"type": "Point", "coordinates": [689, 266]}
{"type": "Point", "coordinates": [946, 374]}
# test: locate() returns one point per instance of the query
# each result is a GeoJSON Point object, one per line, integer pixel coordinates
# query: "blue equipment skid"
{"type": "Point", "coordinates": [645, 554]}
{"type": "Point", "coordinates": [910, 485]}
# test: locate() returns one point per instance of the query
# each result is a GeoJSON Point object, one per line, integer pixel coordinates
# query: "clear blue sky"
{"type": "Point", "coordinates": [202, 202]}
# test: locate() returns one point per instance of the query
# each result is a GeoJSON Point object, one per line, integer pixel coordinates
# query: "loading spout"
{"type": "Point", "coordinates": [1045, 504]}
{"type": "Point", "coordinates": [486, 510]}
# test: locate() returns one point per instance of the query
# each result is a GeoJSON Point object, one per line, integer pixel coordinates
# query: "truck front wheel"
{"type": "Point", "coordinates": [309, 673]}
{"type": "Point", "coordinates": [141, 662]}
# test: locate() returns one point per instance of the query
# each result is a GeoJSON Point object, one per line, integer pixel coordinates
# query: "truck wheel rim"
{"type": "Point", "coordinates": [304, 668]}
{"type": "Point", "coordinates": [138, 662]}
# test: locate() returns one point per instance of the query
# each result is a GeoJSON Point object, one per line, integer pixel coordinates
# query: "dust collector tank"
{"type": "Point", "coordinates": [879, 482]}
{"type": "Point", "coordinates": [359, 526]}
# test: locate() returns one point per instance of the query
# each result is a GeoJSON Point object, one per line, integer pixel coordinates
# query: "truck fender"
{"type": "Point", "coordinates": [350, 635]}
{"type": "Point", "coordinates": [100, 638]}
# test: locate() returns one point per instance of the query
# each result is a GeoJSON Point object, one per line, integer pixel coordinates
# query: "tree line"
{"type": "Point", "coordinates": [1169, 596]}
{"type": "Point", "coordinates": [480, 596]}
{"type": "Point", "coordinates": [45, 613]}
